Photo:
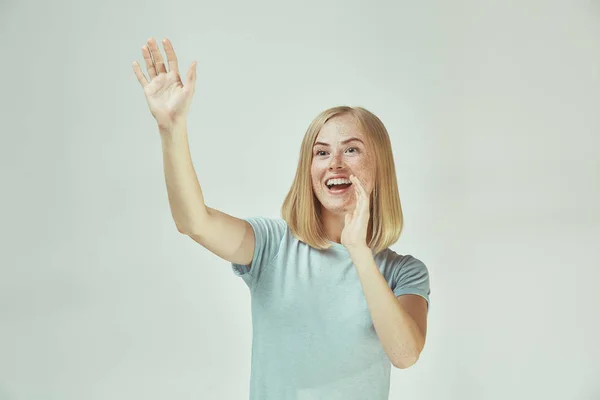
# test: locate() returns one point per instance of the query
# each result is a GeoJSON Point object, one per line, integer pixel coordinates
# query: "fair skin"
{"type": "Point", "coordinates": [337, 158]}
{"type": "Point", "coordinates": [400, 322]}
{"type": "Point", "coordinates": [401, 325]}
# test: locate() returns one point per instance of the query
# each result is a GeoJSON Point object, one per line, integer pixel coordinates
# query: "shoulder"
{"type": "Point", "coordinates": [411, 276]}
{"type": "Point", "coordinates": [270, 233]}
{"type": "Point", "coordinates": [402, 261]}
{"type": "Point", "coordinates": [410, 261]}
{"type": "Point", "coordinates": [270, 226]}
{"type": "Point", "coordinates": [399, 261]}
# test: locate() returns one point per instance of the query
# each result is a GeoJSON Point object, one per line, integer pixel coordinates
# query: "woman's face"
{"type": "Point", "coordinates": [335, 157]}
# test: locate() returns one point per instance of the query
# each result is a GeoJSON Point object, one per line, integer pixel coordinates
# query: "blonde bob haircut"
{"type": "Point", "coordinates": [301, 209]}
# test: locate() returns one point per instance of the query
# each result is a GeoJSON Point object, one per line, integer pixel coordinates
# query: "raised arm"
{"type": "Point", "coordinates": [169, 100]}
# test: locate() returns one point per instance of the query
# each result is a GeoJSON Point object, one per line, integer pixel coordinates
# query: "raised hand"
{"type": "Point", "coordinates": [356, 222]}
{"type": "Point", "coordinates": [167, 96]}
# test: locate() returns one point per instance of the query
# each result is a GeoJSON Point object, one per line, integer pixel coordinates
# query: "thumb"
{"type": "Point", "coordinates": [190, 82]}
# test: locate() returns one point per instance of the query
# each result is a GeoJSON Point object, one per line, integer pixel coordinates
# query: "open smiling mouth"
{"type": "Point", "coordinates": [338, 189]}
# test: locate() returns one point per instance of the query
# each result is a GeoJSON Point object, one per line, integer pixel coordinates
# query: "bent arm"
{"type": "Point", "coordinates": [228, 237]}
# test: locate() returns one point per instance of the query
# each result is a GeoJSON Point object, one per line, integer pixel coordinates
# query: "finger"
{"type": "Point", "coordinates": [139, 74]}
{"type": "Point", "coordinates": [171, 57]}
{"type": "Point", "coordinates": [159, 63]}
{"type": "Point", "coordinates": [190, 80]}
{"type": "Point", "coordinates": [360, 192]}
{"type": "Point", "coordinates": [149, 63]}
{"type": "Point", "coordinates": [356, 184]}
{"type": "Point", "coordinates": [361, 188]}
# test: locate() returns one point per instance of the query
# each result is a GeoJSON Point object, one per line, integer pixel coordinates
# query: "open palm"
{"type": "Point", "coordinates": [168, 98]}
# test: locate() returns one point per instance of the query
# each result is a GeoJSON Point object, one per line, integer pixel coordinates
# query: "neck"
{"type": "Point", "coordinates": [333, 224]}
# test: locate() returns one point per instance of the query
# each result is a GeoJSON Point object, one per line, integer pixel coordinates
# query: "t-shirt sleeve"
{"type": "Point", "coordinates": [268, 235]}
{"type": "Point", "coordinates": [412, 277]}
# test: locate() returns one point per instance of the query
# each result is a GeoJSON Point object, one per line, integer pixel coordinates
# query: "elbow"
{"type": "Point", "coordinates": [182, 230]}
{"type": "Point", "coordinates": [405, 362]}
{"type": "Point", "coordinates": [408, 358]}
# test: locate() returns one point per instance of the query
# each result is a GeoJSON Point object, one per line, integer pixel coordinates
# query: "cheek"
{"type": "Point", "coordinates": [317, 169]}
{"type": "Point", "coordinates": [366, 173]}
{"type": "Point", "coordinates": [314, 172]}
{"type": "Point", "coordinates": [315, 177]}
{"type": "Point", "coordinates": [362, 167]}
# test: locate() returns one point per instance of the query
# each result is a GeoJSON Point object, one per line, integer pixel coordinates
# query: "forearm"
{"type": "Point", "coordinates": [185, 194]}
{"type": "Point", "coordinates": [400, 336]}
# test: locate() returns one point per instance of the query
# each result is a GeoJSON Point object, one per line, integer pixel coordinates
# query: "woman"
{"type": "Point", "coordinates": [332, 306]}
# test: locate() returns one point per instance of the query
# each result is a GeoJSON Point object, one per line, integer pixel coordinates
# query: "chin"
{"type": "Point", "coordinates": [337, 207]}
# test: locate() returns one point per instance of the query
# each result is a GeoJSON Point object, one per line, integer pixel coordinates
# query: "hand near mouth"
{"type": "Point", "coordinates": [354, 234]}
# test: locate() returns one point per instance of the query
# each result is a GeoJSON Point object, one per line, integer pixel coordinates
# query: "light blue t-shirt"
{"type": "Point", "coordinates": [312, 333]}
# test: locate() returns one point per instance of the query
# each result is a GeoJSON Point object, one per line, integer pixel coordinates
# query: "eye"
{"type": "Point", "coordinates": [317, 153]}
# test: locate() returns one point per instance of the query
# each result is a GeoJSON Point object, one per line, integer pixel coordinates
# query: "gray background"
{"type": "Point", "coordinates": [493, 113]}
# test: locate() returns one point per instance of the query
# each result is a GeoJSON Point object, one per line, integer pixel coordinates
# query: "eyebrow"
{"type": "Point", "coordinates": [343, 142]}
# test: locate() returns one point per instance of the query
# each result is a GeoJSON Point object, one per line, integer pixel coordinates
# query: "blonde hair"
{"type": "Point", "coordinates": [301, 208]}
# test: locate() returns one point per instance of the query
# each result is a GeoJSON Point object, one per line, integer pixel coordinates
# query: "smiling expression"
{"type": "Point", "coordinates": [341, 148]}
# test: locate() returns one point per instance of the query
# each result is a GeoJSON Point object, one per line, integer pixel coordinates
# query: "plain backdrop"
{"type": "Point", "coordinates": [493, 110]}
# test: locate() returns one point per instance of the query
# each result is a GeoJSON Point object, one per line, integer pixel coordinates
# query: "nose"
{"type": "Point", "coordinates": [336, 162]}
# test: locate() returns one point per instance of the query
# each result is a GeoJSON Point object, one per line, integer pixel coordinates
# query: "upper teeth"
{"type": "Point", "coordinates": [338, 181]}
